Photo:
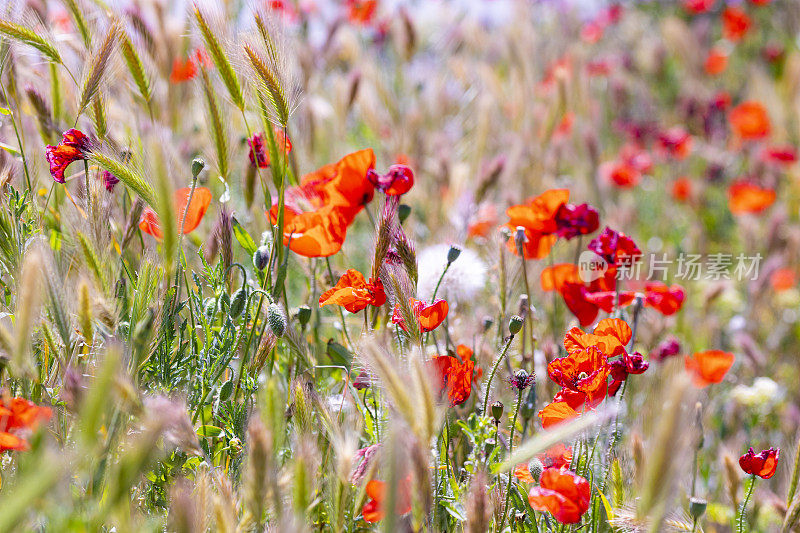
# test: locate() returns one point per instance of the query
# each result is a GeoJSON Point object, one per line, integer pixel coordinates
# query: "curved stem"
{"type": "Point", "coordinates": [492, 373]}
{"type": "Point", "coordinates": [743, 508]}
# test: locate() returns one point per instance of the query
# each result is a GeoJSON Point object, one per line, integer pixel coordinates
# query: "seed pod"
{"type": "Point", "coordinates": [515, 324]}
{"type": "Point", "coordinates": [497, 411]}
{"type": "Point", "coordinates": [197, 166]}
{"type": "Point", "coordinates": [276, 320]}
{"type": "Point", "coordinates": [402, 212]}
{"type": "Point", "coordinates": [261, 257]}
{"type": "Point", "coordinates": [697, 507]}
{"type": "Point", "coordinates": [303, 314]}
{"type": "Point", "coordinates": [452, 254]}
{"type": "Point", "coordinates": [237, 302]}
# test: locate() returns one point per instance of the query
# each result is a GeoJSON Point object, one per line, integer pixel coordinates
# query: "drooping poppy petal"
{"type": "Point", "coordinates": [73, 147]}
{"type": "Point", "coordinates": [708, 367]}
{"type": "Point", "coordinates": [456, 376]}
{"type": "Point", "coordinates": [194, 212]}
{"type": "Point", "coordinates": [432, 315]}
{"type": "Point", "coordinates": [373, 510]}
{"type": "Point", "coordinates": [397, 181]}
{"type": "Point", "coordinates": [555, 413]}
{"type": "Point", "coordinates": [764, 464]}
{"type": "Point", "coordinates": [354, 293]}
{"type": "Point", "coordinates": [745, 197]}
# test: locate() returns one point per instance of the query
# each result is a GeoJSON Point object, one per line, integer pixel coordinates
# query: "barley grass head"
{"type": "Point", "coordinates": [219, 56]}
{"type": "Point", "coordinates": [28, 36]}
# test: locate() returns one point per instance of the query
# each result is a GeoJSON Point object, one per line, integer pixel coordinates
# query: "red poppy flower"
{"type": "Point", "coordinates": [782, 279]}
{"type": "Point", "coordinates": [735, 23]}
{"type": "Point", "coordinates": [762, 464]}
{"type": "Point", "coordinates": [483, 221]}
{"type": "Point", "coordinates": [18, 415]}
{"type": "Point", "coordinates": [319, 210]}
{"type": "Point", "coordinates": [74, 146]}
{"type": "Point", "coordinates": [584, 371]}
{"type": "Point", "coordinates": [258, 153]}
{"type": "Point", "coordinates": [182, 70]}
{"type": "Point", "coordinates": [682, 189]}
{"type": "Point", "coordinates": [354, 293]}
{"type": "Point", "coordinates": [676, 142]}
{"type": "Point", "coordinates": [716, 62]}
{"type": "Point", "coordinates": [620, 173]}
{"type": "Point", "coordinates": [373, 510]}
{"type": "Point", "coordinates": [708, 367]}
{"type": "Point", "coordinates": [523, 473]}
{"type": "Point", "coordinates": [698, 6]}
{"type": "Point", "coordinates": [429, 316]}
{"type": "Point", "coordinates": [610, 336]}
{"type": "Point", "coordinates": [558, 411]}
{"type": "Point", "coordinates": [574, 220]}
{"type": "Point", "coordinates": [195, 212]}
{"type": "Point", "coordinates": [779, 155]}
{"type": "Point", "coordinates": [361, 11]}
{"type": "Point", "coordinates": [621, 368]}
{"type": "Point", "coordinates": [666, 300]}
{"type": "Point", "coordinates": [745, 197]}
{"type": "Point", "coordinates": [456, 374]}
{"type": "Point", "coordinates": [563, 494]}
{"type": "Point", "coordinates": [615, 247]}
{"type": "Point", "coordinates": [396, 182]}
{"type": "Point", "coordinates": [565, 278]}
{"type": "Point", "coordinates": [556, 457]}
{"type": "Point", "coordinates": [750, 121]}
{"type": "Point", "coordinates": [538, 218]}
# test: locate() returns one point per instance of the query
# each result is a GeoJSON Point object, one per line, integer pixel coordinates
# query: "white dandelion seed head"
{"type": "Point", "coordinates": [465, 278]}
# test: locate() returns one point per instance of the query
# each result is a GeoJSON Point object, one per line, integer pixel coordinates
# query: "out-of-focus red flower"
{"type": "Point", "coordinates": [598, 68]}
{"type": "Point", "coordinates": [750, 121]}
{"type": "Point", "coordinates": [783, 279]}
{"type": "Point", "coordinates": [779, 155]}
{"type": "Point", "coordinates": [565, 278]}
{"type": "Point", "coordinates": [483, 221]}
{"type": "Point", "coordinates": [361, 11]}
{"type": "Point", "coordinates": [615, 248]}
{"type": "Point", "coordinates": [564, 128]}
{"type": "Point", "coordinates": [396, 182]}
{"type": "Point", "coordinates": [73, 147]}
{"type": "Point", "coordinates": [676, 142]}
{"type": "Point", "coordinates": [716, 62]}
{"type": "Point", "coordinates": [760, 2]}
{"type": "Point", "coordinates": [764, 464]}
{"type": "Point", "coordinates": [627, 169]}
{"type": "Point", "coordinates": [18, 416]}
{"type": "Point", "coordinates": [319, 210]}
{"type": "Point", "coordinates": [668, 348]}
{"type": "Point", "coordinates": [746, 197]}
{"type": "Point", "coordinates": [373, 510]}
{"type": "Point", "coordinates": [708, 367]}
{"type": "Point", "coordinates": [556, 457]}
{"type": "Point", "coordinates": [354, 292]}
{"type": "Point", "coordinates": [429, 316]}
{"type": "Point", "coordinates": [563, 494]}
{"type": "Point", "coordinates": [185, 70]}
{"type": "Point", "coordinates": [258, 153]}
{"type": "Point", "coordinates": [456, 374]}
{"type": "Point", "coordinates": [195, 212]}
{"type": "Point", "coordinates": [682, 189]}
{"type": "Point", "coordinates": [735, 23]}
{"type": "Point", "coordinates": [574, 220]}
{"type": "Point", "coordinates": [698, 6]}
{"type": "Point", "coordinates": [538, 218]}
{"type": "Point", "coordinates": [109, 180]}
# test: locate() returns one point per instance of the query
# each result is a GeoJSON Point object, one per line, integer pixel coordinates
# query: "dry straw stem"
{"type": "Point", "coordinates": [28, 36]}
{"type": "Point", "coordinates": [220, 59]}
{"type": "Point", "coordinates": [99, 66]}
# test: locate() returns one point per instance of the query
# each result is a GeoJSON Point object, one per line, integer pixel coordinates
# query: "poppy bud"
{"type": "Point", "coordinates": [536, 468]}
{"type": "Point", "coordinates": [515, 324]}
{"type": "Point", "coordinates": [402, 212]}
{"type": "Point", "coordinates": [452, 254]}
{"type": "Point", "coordinates": [521, 379]}
{"type": "Point", "coordinates": [497, 411]}
{"type": "Point", "coordinates": [197, 166]}
{"type": "Point", "coordinates": [237, 302]}
{"type": "Point", "coordinates": [697, 506]}
{"type": "Point", "coordinates": [276, 320]}
{"type": "Point", "coordinates": [520, 239]}
{"type": "Point", "coordinates": [303, 314]}
{"type": "Point", "coordinates": [260, 257]}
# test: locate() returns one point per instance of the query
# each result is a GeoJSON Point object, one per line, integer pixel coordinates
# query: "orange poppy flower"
{"type": "Point", "coordinates": [318, 211]}
{"type": "Point", "coordinates": [556, 457]}
{"type": "Point", "coordinates": [585, 371]}
{"type": "Point", "coordinates": [716, 62]}
{"type": "Point", "coordinates": [523, 473]}
{"type": "Point", "coordinates": [376, 491]}
{"type": "Point", "coordinates": [73, 147]}
{"type": "Point", "coordinates": [195, 212]}
{"type": "Point", "coordinates": [456, 374]}
{"type": "Point", "coordinates": [429, 316]}
{"type": "Point", "coordinates": [763, 464]}
{"type": "Point", "coordinates": [708, 367]}
{"type": "Point", "coordinates": [666, 300]}
{"type": "Point", "coordinates": [735, 23]}
{"type": "Point", "coordinates": [782, 279]}
{"type": "Point", "coordinates": [564, 407]}
{"type": "Point", "coordinates": [750, 121]}
{"type": "Point", "coordinates": [538, 218]}
{"type": "Point", "coordinates": [354, 293]}
{"type": "Point", "coordinates": [611, 336]}
{"type": "Point", "coordinates": [563, 494]}
{"type": "Point", "coordinates": [746, 197]}
{"type": "Point", "coordinates": [682, 189]}
{"type": "Point", "coordinates": [19, 415]}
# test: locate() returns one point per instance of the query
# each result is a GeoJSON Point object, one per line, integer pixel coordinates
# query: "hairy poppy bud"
{"type": "Point", "coordinates": [697, 506]}
{"type": "Point", "coordinates": [402, 212]}
{"type": "Point", "coordinates": [515, 324]}
{"type": "Point", "coordinates": [261, 257]}
{"type": "Point", "coordinates": [237, 302]}
{"type": "Point", "coordinates": [303, 314]}
{"type": "Point", "coordinates": [276, 320]}
{"type": "Point", "coordinates": [536, 468]}
{"type": "Point", "coordinates": [497, 411]}
{"type": "Point", "coordinates": [452, 254]}
{"type": "Point", "coordinates": [197, 166]}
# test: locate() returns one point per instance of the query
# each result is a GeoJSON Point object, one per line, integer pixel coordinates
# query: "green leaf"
{"type": "Point", "coordinates": [339, 354]}
{"type": "Point", "coordinates": [209, 431]}
{"type": "Point", "coordinates": [606, 505]}
{"type": "Point", "coordinates": [243, 237]}
{"type": "Point", "coordinates": [9, 149]}
{"type": "Point", "coordinates": [4, 111]}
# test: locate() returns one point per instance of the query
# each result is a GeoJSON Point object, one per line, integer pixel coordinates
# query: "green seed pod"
{"type": "Point", "coordinates": [536, 468]}
{"type": "Point", "coordinates": [303, 314]}
{"type": "Point", "coordinates": [697, 506]}
{"type": "Point", "coordinates": [453, 253]}
{"type": "Point", "coordinates": [515, 324]}
{"type": "Point", "coordinates": [402, 212]}
{"type": "Point", "coordinates": [237, 302]}
{"type": "Point", "coordinates": [497, 411]}
{"type": "Point", "coordinates": [276, 320]}
{"type": "Point", "coordinates": [197, 166]}
{"type": "Point", "coordinates": [261, 257]}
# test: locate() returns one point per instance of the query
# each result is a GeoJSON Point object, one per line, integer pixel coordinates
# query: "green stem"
{"type": "Point", "coordinates": [492, 373]}
{"type": "Point", "coordinates": [510, 450]}
{"type": "Point", "coordinates": [740, 518]}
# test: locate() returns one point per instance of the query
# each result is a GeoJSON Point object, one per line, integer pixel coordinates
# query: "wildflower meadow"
{"type": "Point", "coordinates": [400, 265]}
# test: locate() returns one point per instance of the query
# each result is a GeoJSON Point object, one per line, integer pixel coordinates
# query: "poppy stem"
{"type": "Point", "coordinates": [510, 450]}
{"type": "Point", "coordinates": [341, 313]}
{"type": "Point", "coordinates": [509, 340]}
{"type": "Point", "coordinates": [88, 191]}
{"type": "Point", "coordinates": [743, 508]}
